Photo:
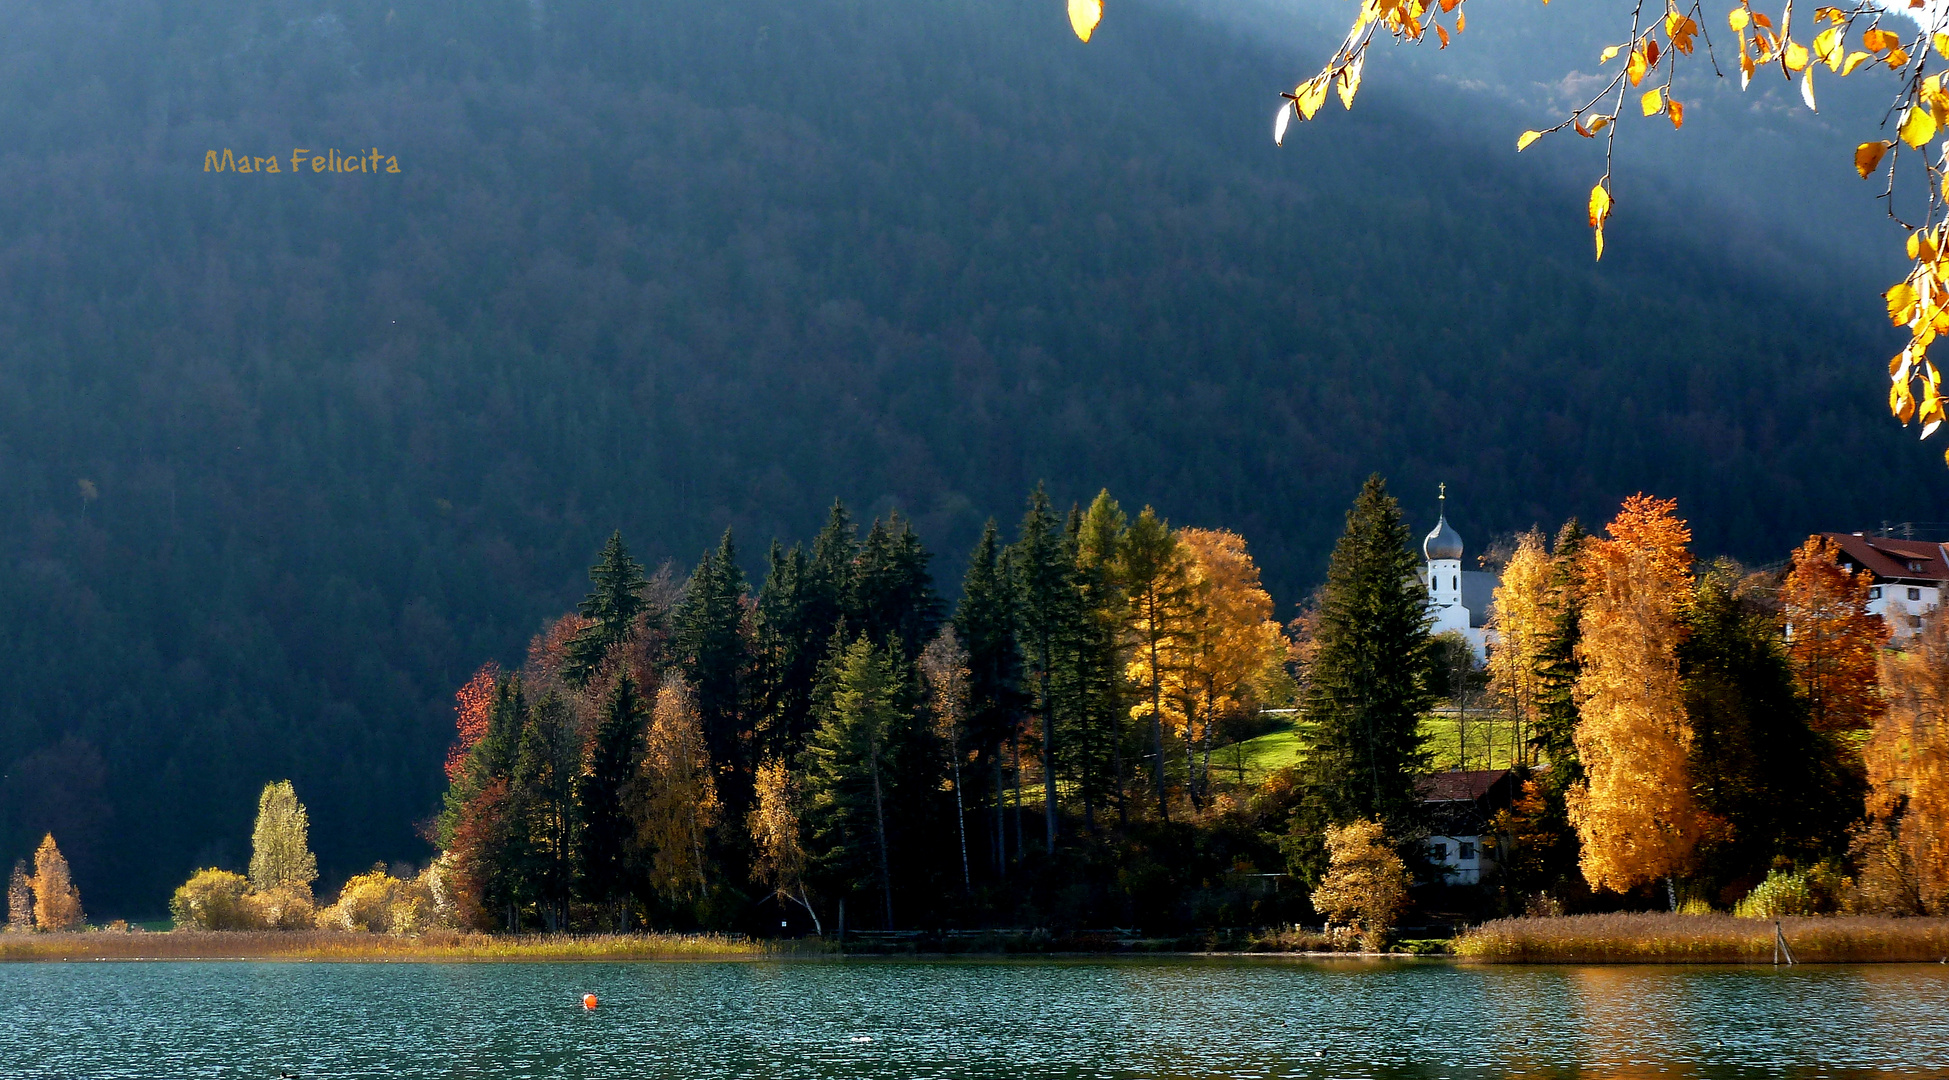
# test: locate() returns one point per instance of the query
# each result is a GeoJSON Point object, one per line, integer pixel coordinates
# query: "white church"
{"type": "Point", "coordinates": [1459, 599]}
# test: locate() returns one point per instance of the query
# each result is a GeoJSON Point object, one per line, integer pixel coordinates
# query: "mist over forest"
{"type": "Point", "coordinates": [285, 456]}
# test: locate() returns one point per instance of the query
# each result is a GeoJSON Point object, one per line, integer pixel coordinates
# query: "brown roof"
{"type": "Point", "coordinates": [1455, 786]}
{"type": "Point", "coordinates": [1894, 560]}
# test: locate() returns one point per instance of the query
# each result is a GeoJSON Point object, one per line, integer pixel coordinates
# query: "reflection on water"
{"type": "Point", "coordinates": [1158, 1020]}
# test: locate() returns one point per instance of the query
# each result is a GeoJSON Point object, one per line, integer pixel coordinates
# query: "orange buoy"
{"type": "Point", "coordinates": [588, 1001]}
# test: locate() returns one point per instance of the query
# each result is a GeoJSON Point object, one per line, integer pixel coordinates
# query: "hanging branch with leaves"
{"type": "Point", "coordinates": [1919, 303]}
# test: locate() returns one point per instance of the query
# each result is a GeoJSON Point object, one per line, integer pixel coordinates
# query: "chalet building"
{"type": "Point", "coordinates": [1458, 599]}
{"type": "Point", "coordinates": [1460, 806]}
{"type": "Point", "coordinates": [1909, 576]}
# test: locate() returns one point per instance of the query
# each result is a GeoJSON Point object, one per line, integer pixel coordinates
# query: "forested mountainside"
{"type": "Point", "coordinates": [284, 455]}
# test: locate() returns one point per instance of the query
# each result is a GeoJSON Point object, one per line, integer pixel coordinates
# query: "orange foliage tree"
{"type": "Point", "coordinates": [1833, 642]}
{"type": "Point", "coordinates": [1634, 812]}
{"type": "Point", "coordinates": [1648, 53]}
{"type": "Point", "coordinates": [1904, 850]}
{"type": "Point", "coordinates": [1235, 651]}
{"type": "Point", "coordinates": [1523, 620]}
{"type": "Point", "coordinates": [473, 704]}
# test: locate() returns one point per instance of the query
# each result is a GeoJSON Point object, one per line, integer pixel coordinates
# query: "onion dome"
{"type": "Point", "coordinates": [1443, 542]}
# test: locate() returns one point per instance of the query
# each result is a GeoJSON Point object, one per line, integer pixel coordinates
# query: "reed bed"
{"type": "Point", "coordinates": [347, 946]}
{"type": "Point", "coordinates": [1656, 938]}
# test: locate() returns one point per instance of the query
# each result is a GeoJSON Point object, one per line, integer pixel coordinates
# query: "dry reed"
{"type": "Point", "coordinates": [1656, 938]}
{"type": "Point", "coordinates": [352, 946]}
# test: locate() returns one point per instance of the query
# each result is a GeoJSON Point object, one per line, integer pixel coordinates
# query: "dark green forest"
{"type": "Point", "coordinates": [284, 456]}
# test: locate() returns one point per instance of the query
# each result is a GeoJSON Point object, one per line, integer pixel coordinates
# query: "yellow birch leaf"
{"type": "Point", "coordinates": [1311, 97]}
{"type": "Point", "coordinates": [1897, 59]}
{"type": "Point", "coordinates": [1084, 15]}
{"type": "Point", "coordinates": [1636, 66]}
{"type": "Point", "coordinates": [1807, 89]}
{"type": "Point", "coordinates": [1599, 123]}
{"type": "Point", "coordinates": [1527, 137]}
{"type": "Point", "coordinates": [1599, 232]}
{"type": "Point", "coordinates": [1676, 111]}
{"type": "Point", "coordinates": [1827, 47]}
{"type": "Point", "coordinates": [1854, 60]}
{"type": "Point", "coordinates": [1608, 54]}
{"type": "Point", "coordinates": [1737, 18]}
{"type": "Point", "coordinates": [1941, 43]}
{"type": "Point", "coordinates": [1461, 21]}
{"type": "Point", "coordinates": [1281, 122]}
{"type": "Point", "coordinates": [1918, 127]}
{"type": "Point", "coordinates": [1895, 400]}
{"type": "Point", "coordinates": [1900, 298]}
{"type": "Point", "coordinates": [1600, 208]}
{"type": "Point", "coordinates": [1875, 39]}
{"type": "Point", "coordinates": [1868, 155]}
{"type": "Point", "coordinates": [1796, 56]}
{"type": "Point", "coordinates": [1653, 100]}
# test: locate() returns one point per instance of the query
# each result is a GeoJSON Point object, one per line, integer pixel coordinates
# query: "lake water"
{"type": "Point", "coordinates": [823, 1020]}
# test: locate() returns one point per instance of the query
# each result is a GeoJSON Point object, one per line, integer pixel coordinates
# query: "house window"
{"type": "Point", "coordinates": [1915, 621]}
{"type": "Point", "coordinates": [1874, 593]}
{"type": "Point", "coordinates": [1466, 852]}
{"type": "Point", "coordinates": [1915, 594]}
{"type": "Point", "coordinates": [1440, 852]}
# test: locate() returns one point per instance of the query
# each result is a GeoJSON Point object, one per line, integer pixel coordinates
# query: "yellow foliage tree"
{"type": "Point", "coordinates": [1904, 850]}
{"type": "Point", "coordinates": [1234, 652]}
{"type": "Point", "coordinates": [1834, 642]}
{"type": "Point", "coordinates": [1156, 571]}
{"type": "Point", "coordinates": [777, 838]}
{"type": "Point", "coordinates": [1366, 883]}
{"type": "Point", "coordinates": [57, 903]}
{"type": "Point", "coordinates": [212, 899]}
{"type": "Point", "coordinates": [1523, 623]}
{"type": "Point", "coordinates": [679, 803]}
{"type": "Point", "coordinates": [1647, 60]}
{"type": "Point", "coordinates": [1634, 813]}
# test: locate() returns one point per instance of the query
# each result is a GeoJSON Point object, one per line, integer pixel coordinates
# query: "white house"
{"type": "Point", "coordinates": [1909, 576]}
{"type": "Point", "coordinates": [1459, 599]}
{"type": "Point", "coordinates": [1461, 807]}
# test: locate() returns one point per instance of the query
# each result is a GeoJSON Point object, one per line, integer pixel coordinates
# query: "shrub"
{"type": "Point", "coordinates": [286, 907]}
{"type": "Point", "coordinates": [212, 899]}
{"type": "Point", "coordinates": [1783, 893]}
{"type": "Point", "coordinates": [376, 901]}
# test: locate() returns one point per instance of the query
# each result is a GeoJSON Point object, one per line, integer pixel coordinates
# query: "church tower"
{"type": "Point", "coordinates": [1443, 549]}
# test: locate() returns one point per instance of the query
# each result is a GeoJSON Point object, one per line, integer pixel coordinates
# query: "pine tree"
{"type": "Point", "coordinates": [611, 606]}
{"type": "Point", "coordinates": [20, 900]}
{"type": "Point", "coordinates": [1048, 614]}
{"type": "Point", "coordinates": [715, 653]}
{"type": "Point", "coordinates": [985, 622]}
{"type": "Point", "coordinates": [848, 768]}
{"type": "Point", "coordinates": [1370, 676]}
{"type": "Point", "coordinates": [280, 856]}
{"type": "Point", "coordinates": [57, 903]}
{"type": "Point", "coordinates": [606, 831]}
{"type": "Point", "coordinates": [1156, 572]}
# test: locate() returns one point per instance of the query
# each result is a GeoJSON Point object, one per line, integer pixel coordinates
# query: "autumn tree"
{"type": "Point", "coordinates": [678, 804]}
{"type": "Point", "coordinates": [1901, 853]}
{"type": "Point", "coordinates": [57, 903]}
{"type": "Point", "coordinates": [1635, 814]}
{"type": "Point", "coordinates": [1233, 660]}
{"type": "Point", "coordinates": [1522, 623]}
{"type": "Point", "coordinates": [849, 765]}
{"type": "Point", "coordinates": [473, 704]}
{"type": "Point", "coordinates": [1156, 570]}
{"type": "Point", "coordinates": [1833, 641]}
{"type": "Point", "coordinates": [280, 851]}
{"type": "Point", "coordinates": [1642, 70]}
{"type": "Point", "coordinates": [20, 900]}
{"type": "Point", "coordinates": [776, 837]}
{"type": "Point", "coordinates": [1366, 882]}
{"type": "Point", "coordinates": [944, 675]}
{"type": "Point", "coordinates": [1370, 678]}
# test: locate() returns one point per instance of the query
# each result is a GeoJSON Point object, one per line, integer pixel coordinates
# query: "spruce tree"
{"type": "Point", "coordinates": [542, 802]}
{"type": "Point", "coordinates": [604, 847]}
{"type": "Point", "coordinates": [1101, 704]}
{"type": "Point", "coordinates": [1047, 613]}
{"type": "Point", "coordinates": [611, 606]}
{"type": "Point", "coordinates": [985, 622]}
{"type": "Point", "coordinates": [1371, 676]}
{"type": "Point", "coordinates": [281, 855]}
{"type": "Point", "coordinates": [715, 654]}
{"type": "Point", "coordinates": [849, 769]}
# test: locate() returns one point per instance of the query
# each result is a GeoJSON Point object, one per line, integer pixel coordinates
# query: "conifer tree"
{"type": "Point", "coordinates": [1370, 676]}
{"type": "Point", "coordinates": [542, 802]}
{"type": "Point", "coordinates": [606, 831]}
{"type": "Point", "coordinates": [611, 608]}
{"type": "Point", "coordinates": [893, 595]}
{"type": "Point", "coordinates": [1156, 573]}
{"type": "Point", "coordinates": [714, 652]}
{"type": "Point", "coordinates": [1048, 614]}
{"type": "Point", "coordinates": [1099, 703]}
{"type": "Point", "coordinates": [985, 622]}
{"type": "Point", "coordinates": [849, 767]}
{"type": "Point", "coordinates": [280, 855]}
{"type": "Point", "coordinates": [1557, 660]}
{"type": "Point", "coordinates": [57, 903]}
{"type": "Point", "coordinates": [20, 900]}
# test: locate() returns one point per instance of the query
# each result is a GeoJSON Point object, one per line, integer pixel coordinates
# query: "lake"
{"type": "Point", "coordinates": [830, 1019]}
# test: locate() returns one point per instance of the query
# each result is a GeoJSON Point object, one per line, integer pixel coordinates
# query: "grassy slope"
{"type": "Point", "coordinates": [1281, 747]}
